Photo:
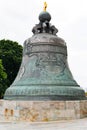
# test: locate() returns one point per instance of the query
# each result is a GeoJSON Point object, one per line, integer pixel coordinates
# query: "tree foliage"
{"type": "Point", "coordinates": [11, 55]}
{"type": "Point", "coordinates": [3, 77]}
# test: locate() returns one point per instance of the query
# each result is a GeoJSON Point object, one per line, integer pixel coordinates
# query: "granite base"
{"type": "Point", "coordinates": [42, 111]}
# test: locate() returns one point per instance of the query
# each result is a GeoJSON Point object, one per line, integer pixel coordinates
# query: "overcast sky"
{"type": "Point", "coordinates": [17, 17]}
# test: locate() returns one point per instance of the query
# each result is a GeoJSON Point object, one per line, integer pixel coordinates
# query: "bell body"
{"type": "Point", "coordinates": [44, 73]}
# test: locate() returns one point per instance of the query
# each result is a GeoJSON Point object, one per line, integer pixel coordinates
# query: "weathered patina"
{"type": "Point", "coordinates": [44, 73]}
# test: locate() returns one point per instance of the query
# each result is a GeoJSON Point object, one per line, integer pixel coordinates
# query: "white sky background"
{"type": "Point", "coordinates": [17, 18]}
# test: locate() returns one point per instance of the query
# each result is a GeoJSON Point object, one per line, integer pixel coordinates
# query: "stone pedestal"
{"type": "Point", "coordinates": [42, 111]}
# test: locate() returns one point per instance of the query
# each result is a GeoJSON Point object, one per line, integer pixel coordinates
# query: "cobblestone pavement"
{"type": "Point", "coordinates": [80, 124]}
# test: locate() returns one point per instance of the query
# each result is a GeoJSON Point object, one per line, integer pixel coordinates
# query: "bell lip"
{"type": "Point", "coordinates": [44, 98]}
{"type": "Point", "coordinates": [52, 93]}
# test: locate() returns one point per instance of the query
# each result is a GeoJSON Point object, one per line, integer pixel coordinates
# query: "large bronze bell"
{"type": "Point", "coordinates": [44, 73]}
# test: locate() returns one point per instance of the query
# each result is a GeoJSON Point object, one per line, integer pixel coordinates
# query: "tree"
{"type": "Point", "coordinates": [3, 77]}
{"type": "Point", "coordinates": [11, 55]}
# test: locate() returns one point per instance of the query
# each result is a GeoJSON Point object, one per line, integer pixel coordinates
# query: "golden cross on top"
{"type": "Point", "coordinates": [45, 6]}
